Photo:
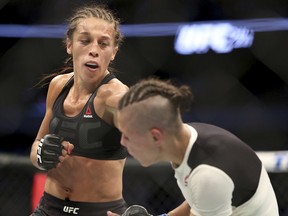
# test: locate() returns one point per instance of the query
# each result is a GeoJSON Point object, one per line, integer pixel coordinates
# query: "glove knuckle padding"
{"type": "Point", "coordinates": [136, 210]}
{"type": "Point", "coordinates": [49, 150]}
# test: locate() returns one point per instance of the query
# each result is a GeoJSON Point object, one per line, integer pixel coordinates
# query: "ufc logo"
{"type": "Point", "coordinates": [70, 210]}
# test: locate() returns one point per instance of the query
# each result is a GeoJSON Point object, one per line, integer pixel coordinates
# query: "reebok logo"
{"type": "Point", "coordinates": [70, 210]}
{"type": "Point", "coordinates": [88, 113]}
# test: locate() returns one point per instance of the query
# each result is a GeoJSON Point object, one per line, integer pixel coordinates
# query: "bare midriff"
{"type": "Point", "coordinates": [86, 180]}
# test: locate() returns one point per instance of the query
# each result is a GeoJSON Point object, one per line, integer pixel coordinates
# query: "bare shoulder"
{"type": "Point", "coordinates": [57, 84]}
{"type": "Point", "coordinates": [112, 88]}
{"type": "Point", "coordinates": [109, 94]}
{"type": "Point", "coordinates": [60, 80]}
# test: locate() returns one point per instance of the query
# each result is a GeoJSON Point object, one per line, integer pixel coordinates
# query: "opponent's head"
{"type": "Point", "coordinates": [148, 114]}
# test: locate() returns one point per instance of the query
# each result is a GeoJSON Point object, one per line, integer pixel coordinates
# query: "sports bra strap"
{"type": "Point", "coordinates": [106, 79]}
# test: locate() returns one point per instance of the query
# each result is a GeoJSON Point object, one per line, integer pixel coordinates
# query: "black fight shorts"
{"type": "Point", "coordinates": [52, 206]}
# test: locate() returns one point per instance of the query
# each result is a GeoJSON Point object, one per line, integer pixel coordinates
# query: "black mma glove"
{"type": "Point", "coordinates": [136, 210]}
{"type": "Point", "coordinates": [49, 150]}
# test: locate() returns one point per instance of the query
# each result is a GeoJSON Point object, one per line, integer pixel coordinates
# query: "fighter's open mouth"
{"type": "Point", "coordinates": [92, 65]}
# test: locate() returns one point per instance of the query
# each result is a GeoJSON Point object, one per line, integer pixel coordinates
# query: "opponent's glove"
{"type": "Point", "coordinates": [49, 150]}
{"type": "Point", "coordinates": [136, 210]}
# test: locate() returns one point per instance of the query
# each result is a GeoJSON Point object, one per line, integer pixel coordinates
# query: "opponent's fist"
{"type": "Point", "coordinates": [49, 150]}
{"type": "Point", "coordinates": [136, 210]}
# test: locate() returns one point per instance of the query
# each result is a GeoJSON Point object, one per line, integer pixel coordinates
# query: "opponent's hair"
{"type": "Point", "coordinates": [179, 97]}
{"type": "Point", "coordinates": [99, 11]}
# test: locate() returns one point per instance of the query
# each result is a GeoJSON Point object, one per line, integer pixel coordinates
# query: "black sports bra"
{"type": "Point", "coordinates": [92, 137]}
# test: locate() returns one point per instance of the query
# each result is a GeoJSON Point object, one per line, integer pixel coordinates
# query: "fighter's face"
{"type": "Point", "coordinates": [92, 47]}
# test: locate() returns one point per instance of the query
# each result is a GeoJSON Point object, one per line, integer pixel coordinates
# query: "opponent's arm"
{"type": "Point", "coordinates": [181, 210]}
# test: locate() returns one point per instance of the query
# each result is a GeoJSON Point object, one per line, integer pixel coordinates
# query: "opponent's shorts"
{"type": "Point", "coordinates": [52, 206]}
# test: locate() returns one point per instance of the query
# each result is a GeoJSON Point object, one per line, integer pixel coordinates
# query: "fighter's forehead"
{"type": "Point", "coordinates": [92, 26]}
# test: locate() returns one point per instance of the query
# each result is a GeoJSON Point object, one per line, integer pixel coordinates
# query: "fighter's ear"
{"type": "Point", "coordinates": [68, 46]}
{"type": "Point", "coordinates": [157, 135]}
{"type": "Point", "coordinates": [115, 50]}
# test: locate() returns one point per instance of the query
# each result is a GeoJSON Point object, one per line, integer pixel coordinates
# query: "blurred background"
{"type": "Point", "coordinates": [233, 54]}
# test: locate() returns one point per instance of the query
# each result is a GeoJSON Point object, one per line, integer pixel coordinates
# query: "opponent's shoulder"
{"type": "Point", "coordinates": [211, 175]}
{"type": "Point", "coordinates": [210, 186]}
